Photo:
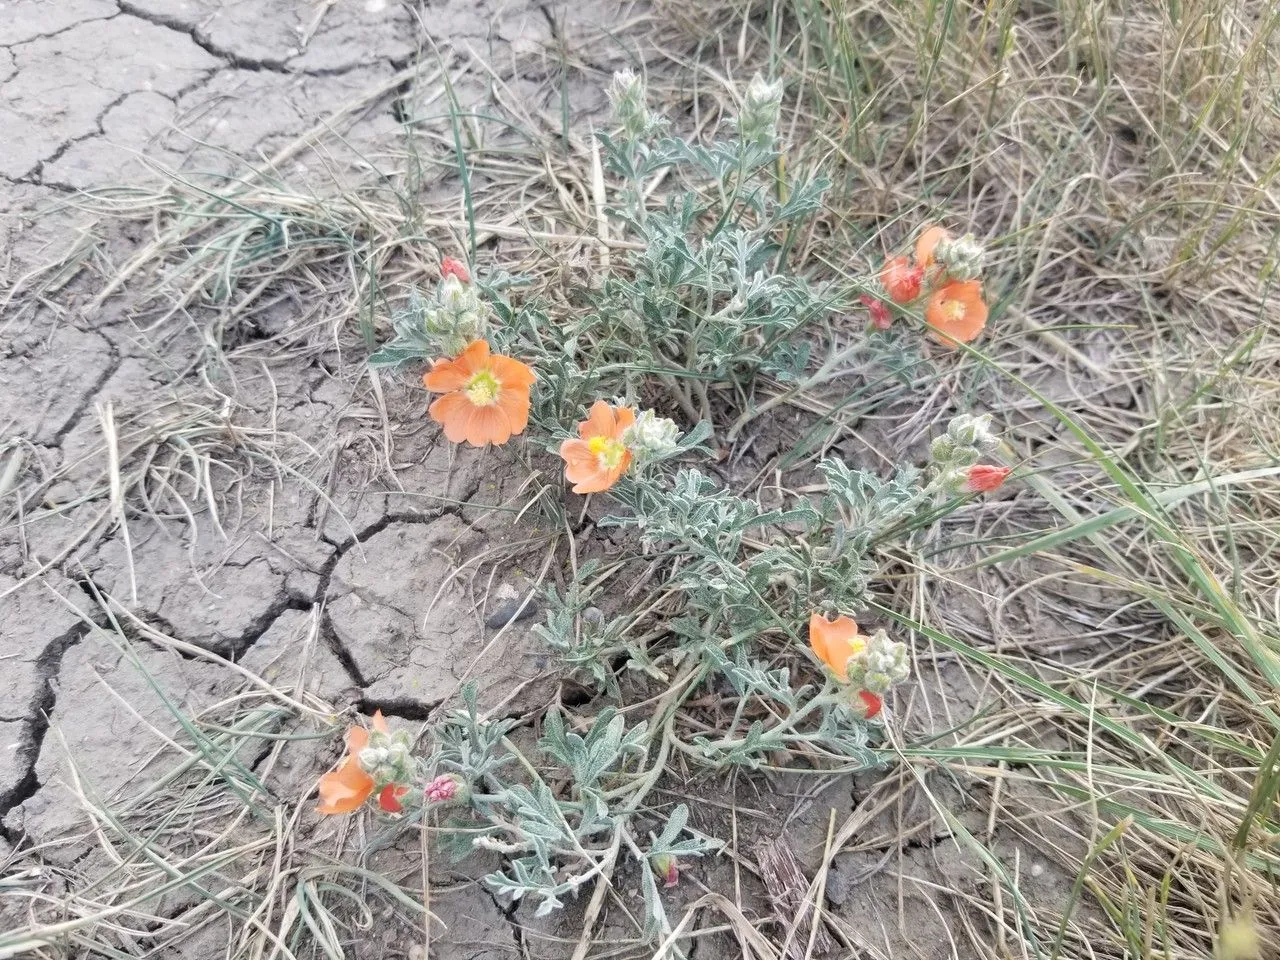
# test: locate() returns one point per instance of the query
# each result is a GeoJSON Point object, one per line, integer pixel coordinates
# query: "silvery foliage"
{"type": "Point", "coordinates": [698, 296]}
{"type": "Point", "coordinates": [554, 844]}
{"type": "Point", "coordinates": [807, 556]}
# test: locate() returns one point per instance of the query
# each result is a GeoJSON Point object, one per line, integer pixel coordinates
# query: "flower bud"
{"type": "Point", "coordinates": [881, 664]}
{"type": "Point", "coordinates": [651, 437]}
{"type": "Point", "coordinates": [452, 267]}
{"type": "Point", "coordinates": [667, 868]}
{"type": "Point", "coordinates": [984, 477]}
{"type": "Point", "coordinates": [388, 758]}
{"type": "Point", "coordinates": [864, 704]}
{"type": "Point", "coordinates": [446, 788]}
{"type": "Point", "coordinates": [627, 96]}
{"type": "Point", "coordinates": [758, 121]}
{"type": "Point", "coordinates": [881, 318]}
{"type": "Point", "coordinates": [456, 316]}
{"type": "Point", "coordinates": [901, 280]}
{"type": "Point", "coordinates": [970, 431]}
{"type": "Point", "coordinates": [961, 257]}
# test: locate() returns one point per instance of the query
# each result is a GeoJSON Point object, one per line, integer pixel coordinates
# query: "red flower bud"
{"type": "Point", "coordinates": [871, 703]}
{"type": "Point", "coordinates": [983, 478]}
{"type": "Point", "coordinates": [667, 868]}
{"type": "Point", "coordinates": [450, 266]}
{"type": "Point", "coordinates": [881, 318]}
{"type": "Point", "coordinates": [389, 798]}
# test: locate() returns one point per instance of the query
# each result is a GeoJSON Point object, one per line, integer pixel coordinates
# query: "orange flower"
{"type": "Point", "coordinates": [595, 461]}
{"type": "Point", "coordinates": [956, 311]}
{"type": "Point", "coordinates": [926, 243]}
{"type": "Point", "coordinates": [346, 789]}
{"type": "Point", "coordinates": [901, 280]}
{"type": "Point", "coordinates": [836, 642]}
{"type": "Point", "coordinates": [486, 397]}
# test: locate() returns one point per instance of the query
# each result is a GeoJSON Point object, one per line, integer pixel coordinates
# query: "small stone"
{"type": "Point", "coordinates": [511, 611]}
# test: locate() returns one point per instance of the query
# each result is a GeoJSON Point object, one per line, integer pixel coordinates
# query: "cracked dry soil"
{"type": "Point", "coordinates": [346, 583]}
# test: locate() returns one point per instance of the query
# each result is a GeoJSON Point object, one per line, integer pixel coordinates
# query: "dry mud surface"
{"type": "Point", "coordinates": [358, 576]}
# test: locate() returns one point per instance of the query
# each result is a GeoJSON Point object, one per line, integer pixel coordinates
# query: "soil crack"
{"type": "Point", "coordinates": [47, 666]}
{"type": "Point", "coordinates": [204, 42]}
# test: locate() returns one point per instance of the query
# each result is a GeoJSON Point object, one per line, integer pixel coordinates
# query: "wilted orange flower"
{"type": "Point", "coordinates": [901, 280]}
{"type": "Point", "coordinates": [595, 461]}
{"type": "Point", "coordinates": [926, 243]}
{"type": "Point", "coordinates": [346, 789]}
{"type": "Point", "coordinates": [984, 477]}
{"type": "Point", "coordinates": [836, 642]}
{"type": "Point", "coordinates": [486, 396]}
{"type": "Point", "coordinates": [957, 311]}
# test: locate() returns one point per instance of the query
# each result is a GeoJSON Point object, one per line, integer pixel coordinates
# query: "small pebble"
{"type": "Point", "coordinates": [509, 611]}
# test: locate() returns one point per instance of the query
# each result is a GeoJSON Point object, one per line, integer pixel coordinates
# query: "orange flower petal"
{"type": "Point", "coordinates": [357, 739]}
{"type": "Point", "coordinates": [516, 404]}
{"type": "Point", "coordinates": [452, 411]}
{"type": "Point", "coordinates": [379, 724]}
{"type": "Point", "coordinates": [600, 422]}
{"type": "Point", "coordinates": [474, 357]}
{"type": "Point", "coordinates": [346, 789]}
{"type": "Point", "coordinates": [927, 243]}
{"type": "Point", "coordinates": [598, 481]}
{"type": "Point", "coordinates": [956, 311]}
{"type": "Point", "coordinates": [512, 373]}
{"type": "Point", "coordinates": [834, 641]}
{"type": "Point", "coordinates": [488, 424]}
{"type": "Point", "coordinates": [444, 376]}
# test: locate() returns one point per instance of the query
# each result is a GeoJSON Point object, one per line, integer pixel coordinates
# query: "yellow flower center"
{"type": "Point", "coordinates": [483, 389]}
{"type": "Point", "coordinates": [953, 310]}
{"type": "Point", "coordinates": [608, 451]}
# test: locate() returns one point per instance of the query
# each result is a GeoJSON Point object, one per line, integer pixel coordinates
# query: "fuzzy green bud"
{"type": "Point", "coordinates": [388, 758]}
{"type": "Point", "coordinates": [651, 437]}
{"type": "Point", "coordinates": [455, 316]}
{"type": "Point", "coordinates": [627, 97]}
{"type": "Point", "coordinates": [761, 105]}
{"type": "Point", "coordinates": [881, 664]}
{"type": "Point", "coordinates": [961, 257]}
{"type": "Point", "coordinates": [970, 431]}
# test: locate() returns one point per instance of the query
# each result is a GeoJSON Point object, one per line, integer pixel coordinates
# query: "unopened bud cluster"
{"type": "Point", "coordinates": [967, 440]}
{"type": "Point", "coordinates": [761, 105]}
{"type": "Point", "coordinates": [455, 316]}
{"type": "Point", "coordinates": [630, 110]}
{"type": "Point", "coordinates": [881, 664]}
{"type": "Point", "coordinates": [961, 258]}
{"type": "Point", "coordinates": [955, 455]}
{"type": "Point", "coordinates": [651, 438]}
{"type": "Point", "coordinates": [388, 758]}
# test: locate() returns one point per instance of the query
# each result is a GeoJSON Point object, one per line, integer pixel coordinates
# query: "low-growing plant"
{"type": "Point", "coordinates": [698, 309]}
